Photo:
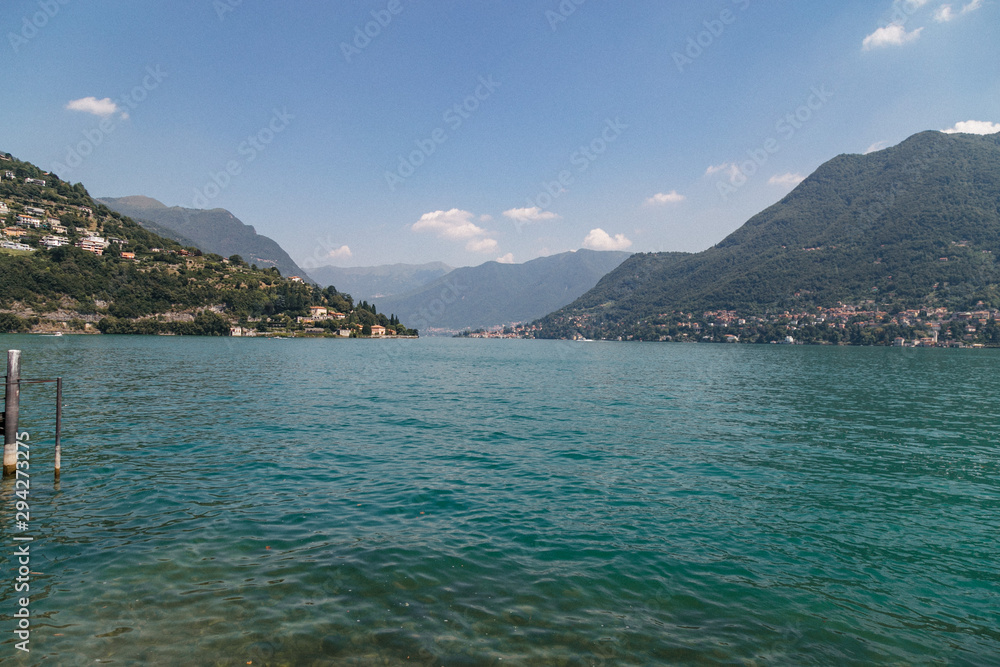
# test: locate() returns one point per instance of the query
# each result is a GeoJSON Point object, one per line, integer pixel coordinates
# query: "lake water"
{"type": "Point", "coordinates": [471, 502]}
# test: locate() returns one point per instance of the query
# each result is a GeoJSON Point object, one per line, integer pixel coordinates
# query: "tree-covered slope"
{"type": "Point", "coordinates": [916, 224]}
{"type": "Point", "coordinates": [214, 230]}
{"type": "Point", "coordinates": [126, 279]}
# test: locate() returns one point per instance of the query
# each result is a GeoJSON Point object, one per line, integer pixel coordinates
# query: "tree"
{"type": "Point", "coordinates": [10, 323]}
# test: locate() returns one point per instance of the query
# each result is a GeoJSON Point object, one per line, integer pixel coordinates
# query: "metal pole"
{"type": "Point", "coordinates": [58, 424]}
{"type": "Point", "coordinates": [11, 405]}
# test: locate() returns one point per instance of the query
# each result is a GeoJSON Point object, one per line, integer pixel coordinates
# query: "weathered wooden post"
{"type": "Point", "coordinates": [58, 424]}
{"type": "Point", "coordinates": [11, 405]}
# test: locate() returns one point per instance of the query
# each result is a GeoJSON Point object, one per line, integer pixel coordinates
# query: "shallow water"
{"type": "Point", "coordinates": [471, 502]}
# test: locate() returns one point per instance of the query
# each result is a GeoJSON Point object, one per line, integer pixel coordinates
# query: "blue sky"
{"type": "Point", "coordinates": [370, 132]}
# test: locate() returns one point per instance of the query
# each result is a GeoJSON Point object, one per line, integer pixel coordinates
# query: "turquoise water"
{"type": "Point", "coordinates": [470, 502]}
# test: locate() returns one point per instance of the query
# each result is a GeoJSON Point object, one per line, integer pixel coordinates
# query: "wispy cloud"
{"type": "Point", "coordinates": [481, 245]}
{"type": "Point", "coordinates": [891, 35]}
{"type": "Point", "coordinates": [731, 169]}
{"type": "Point", "coordinates": [972, 6]}
{"type": "Point", "coordinates": [788, 180]}
{"type": "Point", "coordinates": [945, 13]}
{"type": "Point", "coordinates": [877, 146]}
{"type": "Point", "coordinates": [454, 224]}
{"type": "Point", "coordinates": [973, 127]}
{"type": "Point", "coordinates": [598, 239]}
{"type": "Point", "coordinates": [533, 214]}
{"type": "Point", "coordinates": [671, 197]}
{"type": "Point", "coordinates": [506, 259]}
{"type": "Point", "coordinates": [103, 108]}
{"type": "Point", "coordinates": [343, 252]}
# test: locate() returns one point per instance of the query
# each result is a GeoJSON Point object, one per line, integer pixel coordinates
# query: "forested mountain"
{"type": "Point", "coordinates": [68, 262]}
{"type": "Point", "coordinates": [212, 230]}
{"type": "Point", "coordinates": [495, 294]}
{"type": "Point", "coordinates": [378, 282]}
{"type": "Point", "coordinates": [916, 225]}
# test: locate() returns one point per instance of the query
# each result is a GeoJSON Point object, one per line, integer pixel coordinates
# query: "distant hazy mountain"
{"type": "Point", "coordinates": [377, 282]}
{"type": "Point", "coordinates": [216, 230]}
{"type": "Point", "coordinates": [494, 294]}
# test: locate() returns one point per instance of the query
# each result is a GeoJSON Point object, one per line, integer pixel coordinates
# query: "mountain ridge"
{"type": "Point", "coordinates": [859, 227]}
{"type": "Point", "coordinates": [494, 294]}
{"type": "Point", "coordinates": [377, 282]}
{"type": "Point", "coordinates": [214, 230]}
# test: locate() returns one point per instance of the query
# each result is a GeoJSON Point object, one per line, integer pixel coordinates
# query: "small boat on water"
{"type": "Point", "coordinates": [57, 333]}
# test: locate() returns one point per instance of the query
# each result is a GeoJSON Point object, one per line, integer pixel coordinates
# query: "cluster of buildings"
{"type": "Point", "coordinates": [10, 176]}
{"type": "Point", "coordinates": [918, 327]}
{"type": "Point", "coordinates": [932, 320]}
{"type": "Point", "coordinates": [37, 219]}
{"type": "Point", "coordinates": [320, 314]}
{"type": "Point", "coordinates": [498, 333]}
{"type": "Point", "coordinates": [378, 331]}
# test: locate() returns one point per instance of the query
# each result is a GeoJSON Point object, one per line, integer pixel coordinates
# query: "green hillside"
{"type": "Point", "coordinates": [104, 272]}
{"type": "Point", "coordinates": [213, 230]}
{"type": "Point", "coordinates": [914, 226]}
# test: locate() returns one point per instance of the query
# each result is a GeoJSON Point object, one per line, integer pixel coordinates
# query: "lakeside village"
{"type": "Point", "coordinates": [28, 227]}
{"type": "Point", "coordinates": [842, 325]}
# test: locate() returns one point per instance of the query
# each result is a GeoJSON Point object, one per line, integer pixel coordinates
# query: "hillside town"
{"type": "Point", "coordinates": [843, 324]}
{"type": "Point", "coordinates": [142, 283]}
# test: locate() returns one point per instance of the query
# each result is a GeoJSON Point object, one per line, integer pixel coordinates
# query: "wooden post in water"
{"type": "Point", "coordinates": [58, 425]}
{"type": "Point", "coordinates": [11, 406]}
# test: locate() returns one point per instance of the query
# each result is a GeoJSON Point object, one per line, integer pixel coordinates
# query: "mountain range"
{"type": "Point", "coordinates": [377, 282]}
{"type": "Point", "coordinates": [495, 294]}
{"type": "Point", "coordinates": [214, 230]}
{"type": "Point", "coordinates": [914, 225]}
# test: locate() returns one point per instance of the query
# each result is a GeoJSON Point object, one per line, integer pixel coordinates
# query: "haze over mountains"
{"type": "Point", "coordinates": [909, 226]}
{"type": "Point", "coordinates": [914, 225]}
{"type": "Point", "coordinates": [494, 294]}
{"type": "Point", "coordinates": [213, 230]}
{"type": "Point", "coordinates": [377, 282]}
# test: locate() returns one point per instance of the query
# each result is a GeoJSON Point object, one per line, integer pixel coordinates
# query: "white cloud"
{"type": "Point", "coordinates": [671, 197]}
{"type": "Point", "coordinates": [506, 259]}
{"type": "Point", "coordinates": [102, 108]}
{"type": "Point", "coordinates": [731, 169]}
{"type": "Point", "coordinates": [454, 224]}
{"type": "Point", "coordinates": [944, 14]}
{"type": "Point", "coordinates": [481, 245]}
{"type": "Point", "coordinates": [788, 180]}
{"type": "Point", "coordinates": [974, 127]}
{"type": "Point", "coordinates": [598, 239]}
{"type": "Point", "coordinates": [343, 252]}
{"type": "Point", "coordinates": [893, 34]}
{"type": "Point", "coordinates": [533, 214]}
{"type": "Point", "coordinates": [877, 146]}
{"type": "Point", "coordinates": [972, 6]}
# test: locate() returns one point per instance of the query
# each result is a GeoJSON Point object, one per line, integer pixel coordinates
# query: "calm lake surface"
{"type": "Point", "coordinates": [471, 502]}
